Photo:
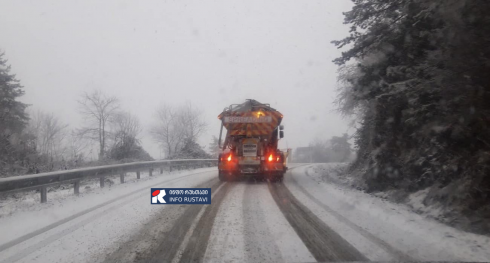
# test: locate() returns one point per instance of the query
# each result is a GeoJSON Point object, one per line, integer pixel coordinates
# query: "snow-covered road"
{"type": "Point", "coordinates": [300, 220]}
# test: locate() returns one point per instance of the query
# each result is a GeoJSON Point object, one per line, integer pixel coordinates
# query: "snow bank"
{"type": "Point", "coordinates": [415, 235]}
{"type": "Point", "coordinates": [26, 214]}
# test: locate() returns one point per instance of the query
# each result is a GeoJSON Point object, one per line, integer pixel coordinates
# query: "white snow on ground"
{"type": "Point", "coordinates": [288, 242]}
{"type": "Point", "coordinates": [226, 242]}
{"type": "Point", "coordinates": [415, 202]}
{"type": "Point", "coordinates": [419, 237]}
{"type": "Point", "coordinates": [29, 201]}
{"type": "Point", "coordinates": [331, 173]}
{"type": "Point", "coordinates": [249, 227]}
{"type": "Point", "coordinates": [96, 233]}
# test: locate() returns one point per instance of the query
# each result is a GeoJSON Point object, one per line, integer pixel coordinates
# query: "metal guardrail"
{"type": "Point", "coordinates": [43, 180]}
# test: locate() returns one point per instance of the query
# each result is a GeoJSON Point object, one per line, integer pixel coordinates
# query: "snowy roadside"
{"type": "Point", "coordinates": [350, 212]}
{"type": "Point", "coordinates": [91, 235]}
{"type": "Point", "coordinates": [418, 202]}
{"type": "Point", "coordinates": [29, 201]}
{"type": "Point", "coordinates": [20, 216]}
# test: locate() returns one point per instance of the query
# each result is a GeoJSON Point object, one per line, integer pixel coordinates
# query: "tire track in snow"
{"type": "Point", "coordinates": [188, 234]}
{"type": "Point", "coordinates": [116, 203]}
{"type": "Point", "coordinates": [226, 242]}
{"type": "Point", "coordinates": [323, 242]}
{"type": "Point", "coordinates": [381, 243]}
{"type": "Point", "coordinates": [259, 243]}
{"type": "Point", "coordinates": [196, 247]}
{"type": "Point", "coordinates": [159, 240]}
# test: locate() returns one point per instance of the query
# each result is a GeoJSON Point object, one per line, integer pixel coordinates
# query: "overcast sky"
{"type": "Point", "coordinates": [210, 53]}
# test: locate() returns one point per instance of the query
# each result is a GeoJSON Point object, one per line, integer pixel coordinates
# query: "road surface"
{"type": "Point", "coordinates": [299, 220]}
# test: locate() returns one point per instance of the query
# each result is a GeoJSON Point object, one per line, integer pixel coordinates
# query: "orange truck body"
{"type": "Point", "coordinates": [250, 148]}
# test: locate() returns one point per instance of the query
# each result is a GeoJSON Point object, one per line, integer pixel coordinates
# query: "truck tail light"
{"type": "Point", "coordinates": [229, 158]}
{"type": "Point", "coordinates": [273, 158]}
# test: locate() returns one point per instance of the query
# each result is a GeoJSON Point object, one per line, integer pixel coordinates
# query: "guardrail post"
{"type": "Point", "coordinates": [76, 176]}
{"type": "Point", "coordinates": [102, 181]}
{"type": "Point", "coordinates": [76, 187]}
{"type": "Point", "coordinates": [44, 194]}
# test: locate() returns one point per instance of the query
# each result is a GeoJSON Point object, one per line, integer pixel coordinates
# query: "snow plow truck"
{"type": "Point", "coordinates": [249, 149]}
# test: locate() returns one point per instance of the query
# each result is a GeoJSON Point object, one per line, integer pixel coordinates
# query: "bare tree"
{"type": "Point", "coordinates": [166, 132]}
{"type": "Point", "coordinates": [97, 109]}
{"type": "Point", "coordinates": [76, 145]}
{"type": "Point", "coordinates": [50, 133]}
{"type": "Point", "coordinates": [125, 125]}
{"type": "Point", "coordinates": [192, 121]}
{"type": "Point", "coordinates": [176, 126]}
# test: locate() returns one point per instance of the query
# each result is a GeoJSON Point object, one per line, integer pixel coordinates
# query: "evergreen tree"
{"type": "Point", "coordinates": [13, 117]}
{"type": "Point", "coordinates": [15, 147]}
{"type": "Point", "coordinates": [416, 74]}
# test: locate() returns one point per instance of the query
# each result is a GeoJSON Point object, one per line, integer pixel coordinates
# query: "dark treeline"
{"type": "Point", "coordinates": [417, 75]}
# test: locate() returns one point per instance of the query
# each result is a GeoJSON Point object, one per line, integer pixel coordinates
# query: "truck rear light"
{"type": "Point", "coordinates": [275, 159]}
{"type": "Point", "coordinates": [229, 158]}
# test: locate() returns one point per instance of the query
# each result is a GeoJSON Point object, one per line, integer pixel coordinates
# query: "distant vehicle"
{"type": "Point", "coordinates": [250, 148]}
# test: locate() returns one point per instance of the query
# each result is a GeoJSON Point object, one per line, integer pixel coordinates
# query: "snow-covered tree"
{"type": "Point", "coordinates": [125, 129]}
{"type": "Point", "coordinates": [192, 150]}
{"type": "Point", "coordinates": [15, 145]}
{"type": "Point", "coordinates": [50, 134]}
{"type": "Point", "coordinates": [76, 146]}
{"type": "Point", "coordinates": [176, 126]}
{"type": "Point", "coordinates": [415, 72]}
